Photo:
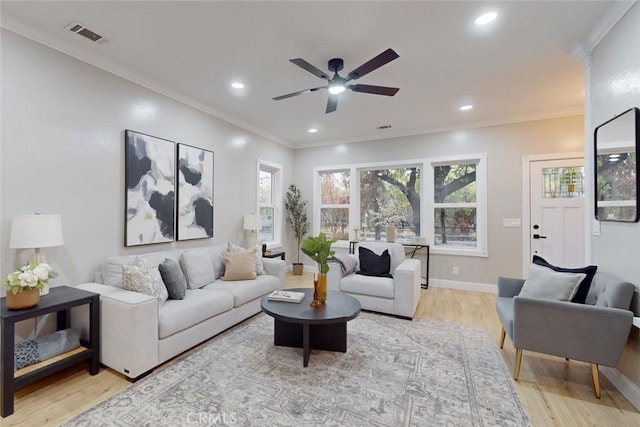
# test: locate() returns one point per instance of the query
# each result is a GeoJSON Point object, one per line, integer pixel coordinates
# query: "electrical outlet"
{"type": "Point", "coordinates": [455, 271]}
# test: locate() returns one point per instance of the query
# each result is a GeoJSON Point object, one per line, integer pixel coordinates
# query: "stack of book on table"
{"type": "Point", "coordinates": [287, 296]}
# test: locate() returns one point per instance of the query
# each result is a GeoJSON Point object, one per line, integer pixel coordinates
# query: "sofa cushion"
{"type": "Point", "coordinates": [198, 268]}
{"type": "Point", "coordinates": [372, 264]}
{"type": "Point", "coordinates": [239, 266]}
{"type": "Point", "coordinates": [217, 257]}
{"type": "Point", "coordinates": [198, 305]}
{"type": "Point", "coordinates": [585, 284]}
{"type": "Point", "coordinates": [367, 285]}
{"type": "Point", "coordinates": [112, 274]}
{"type": "Point", "coordinates": [256, 253]}
{"type": "Point", "coordinates": [141, 277]}
{"type": "Point", "coordinates": [244, 291]}
{"type": "Point", "coordinates": [543, 282]}
{"type": "Point", "coordinates": [173, 278]}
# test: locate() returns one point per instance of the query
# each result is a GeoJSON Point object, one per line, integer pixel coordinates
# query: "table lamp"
{"type": "Point", "coordinates": [252, 224]}
{"type": "Point", "coordinates": [36, 231]}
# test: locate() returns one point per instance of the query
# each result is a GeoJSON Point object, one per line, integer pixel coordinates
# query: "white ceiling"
{"type": "Point", "coordinates": [517, 68]}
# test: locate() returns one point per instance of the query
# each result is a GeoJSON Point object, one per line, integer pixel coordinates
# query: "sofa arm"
{"type": "Point", "coordinates": [128, 329]}
{"type": "Point", "coordinates": [509, 287]}
{"type": "Point", "coordinates": [275, 267]}
{"type": "Point", "coordinates": [406, 283]}
{"type": "Point", "coordinates": [577, 331]}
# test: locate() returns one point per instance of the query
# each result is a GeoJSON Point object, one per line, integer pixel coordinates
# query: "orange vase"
{"type": "Point", "coordinates": [24, 299]}
{"type": "Point", "coordinates": [319, 290]}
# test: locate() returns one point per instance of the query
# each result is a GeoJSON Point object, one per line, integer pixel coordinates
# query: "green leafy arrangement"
{"type": "Point", "coordinates": [319, 250]}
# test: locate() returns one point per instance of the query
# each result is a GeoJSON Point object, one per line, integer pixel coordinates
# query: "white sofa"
{"type": "Point", "coordinates": [136, 335]}
{"type": "Point", "coordinates": [398, 295]}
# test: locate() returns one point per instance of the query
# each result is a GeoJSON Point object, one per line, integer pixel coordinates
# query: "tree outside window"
{"type": "Point", "coordinates": [390, 197]}
{"type": "Point", "coordinates": [334, 204]}
{"type": "Point", "coordinates": [455, 205]}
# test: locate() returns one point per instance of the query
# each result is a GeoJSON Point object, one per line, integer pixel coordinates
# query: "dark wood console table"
{"type": "Point", "coordinates": [59, 300]}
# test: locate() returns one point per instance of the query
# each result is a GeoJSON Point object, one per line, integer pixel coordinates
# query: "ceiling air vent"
{"type": "Point", "coordinates": [80, 29]}
{"type": "Point", "coordinates": [383, 127]}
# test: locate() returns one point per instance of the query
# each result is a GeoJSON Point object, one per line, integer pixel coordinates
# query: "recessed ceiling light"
{"type": "Point", "coordinates": [237, 85]}
{"type": "Point", "coordinates": [312, 130]}
{"type": "Point", "coordinates": [466, 107]}
{"type": "Point", "coordinates": [486, 18]}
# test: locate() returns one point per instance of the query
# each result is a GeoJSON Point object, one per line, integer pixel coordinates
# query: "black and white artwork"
{"type": "Point", "coordinates": [150, 181]}
{"type": "Point", "coordinates": [195, 193]}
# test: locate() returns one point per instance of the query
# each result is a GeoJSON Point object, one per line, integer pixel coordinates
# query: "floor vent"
{"type": "Point", "coordinates": [80, 29]}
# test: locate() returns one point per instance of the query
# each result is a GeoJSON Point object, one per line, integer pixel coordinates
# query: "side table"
{"type": "Point", "coordinates": [59, 300]}
{"type": "Point", "coordinates": [274, 254]}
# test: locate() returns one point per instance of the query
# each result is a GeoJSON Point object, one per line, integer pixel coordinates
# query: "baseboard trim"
{"type": "Point", "coordinates": [625, 386]}
{"type": "Point", "coordinates": [464, 286]}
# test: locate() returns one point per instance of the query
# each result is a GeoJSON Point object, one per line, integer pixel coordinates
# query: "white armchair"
{"type": "Point", "coordinates": [398, 295]}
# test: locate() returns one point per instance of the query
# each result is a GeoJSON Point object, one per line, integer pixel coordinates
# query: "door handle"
{"type": "Point", "coordinates": [537, 236]}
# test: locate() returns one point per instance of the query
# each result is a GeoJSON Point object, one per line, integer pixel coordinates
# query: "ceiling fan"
{"type": "Point", "coordinates": [337, 84]}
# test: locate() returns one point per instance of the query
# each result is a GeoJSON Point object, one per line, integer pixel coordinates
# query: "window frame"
{"type": "Point", "coordinates": [427, 198]}
{"type": "Point", "coordinates": [276, 199]}
{"type": "Point", "coordinates": [480, 204]}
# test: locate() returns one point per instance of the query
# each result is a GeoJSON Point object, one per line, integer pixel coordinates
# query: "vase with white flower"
{"type": "Point", "coordinates": [24, 285]}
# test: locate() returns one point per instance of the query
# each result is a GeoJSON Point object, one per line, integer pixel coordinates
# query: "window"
{"type": "Point", "coordinates": [270, 202]}
{"type": "Point", "coordinates": [390, 197]}
{"type": "Point", "coordinates": [459, 188]}
{"type": "Point", "coordinates": [334, 203]}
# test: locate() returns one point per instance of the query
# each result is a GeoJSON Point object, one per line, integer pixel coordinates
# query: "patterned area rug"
{"type": "Point", "coordinates": [395, 373]}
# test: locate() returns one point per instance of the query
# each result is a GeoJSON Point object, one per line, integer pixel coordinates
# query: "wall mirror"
{"type": "Point", "coordinates": [616, 169]}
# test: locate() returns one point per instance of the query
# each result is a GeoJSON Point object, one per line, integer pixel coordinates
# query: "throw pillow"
{"type": "Point", "coordinates": [198, 268]}
{"type": "Point", "coordinates": [112, 274]}
{"type": "Point", "coordinates": [583, 289]}
{"type": "Point", "coordinates": [239, 266]}
{"type": "Point", "coordinates": [173, 278]}
{"type": "Point", "coordinates": [140, 278]}
{"type": "Point", "coordinates": [543, 282]}
{"type": "Point", "coordinates": [372, 264]}
{"type": "Point", "coordinates": [257, 253]}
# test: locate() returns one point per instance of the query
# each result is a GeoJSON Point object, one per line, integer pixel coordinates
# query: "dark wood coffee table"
{"type": "Point", "coordinates": [322, 328]}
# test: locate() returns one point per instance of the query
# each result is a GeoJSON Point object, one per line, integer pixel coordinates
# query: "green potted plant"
{"type": "Point", "coordinates": [297, 219]}
{"type": "Point", "coordinates": [24, 284]}
{"type": "Point", "coordinates": [319, 250]}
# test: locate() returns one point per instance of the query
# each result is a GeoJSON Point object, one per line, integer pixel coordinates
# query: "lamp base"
{"type": "Point", "coordinates": [39, 258]}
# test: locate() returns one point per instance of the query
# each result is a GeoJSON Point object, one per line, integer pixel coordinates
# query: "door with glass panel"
{"type": "Point", "coordinates": [557, 211]}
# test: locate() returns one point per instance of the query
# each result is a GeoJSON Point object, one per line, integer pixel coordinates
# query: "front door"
{"type": "Point", "coordinates": [557, 211]}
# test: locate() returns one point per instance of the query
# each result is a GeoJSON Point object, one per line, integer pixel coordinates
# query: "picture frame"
{"type": "Point", "coordinates": [150, 168]}
{"type": "Point", "coordinates": [195, 179]}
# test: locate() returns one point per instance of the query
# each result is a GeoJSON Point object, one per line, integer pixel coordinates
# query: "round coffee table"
{"type": "Point", "coordinates": [301, 326]}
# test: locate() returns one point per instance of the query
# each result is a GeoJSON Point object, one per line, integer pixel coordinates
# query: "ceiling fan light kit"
{"type": "Point", "coordinates": [337, 84]}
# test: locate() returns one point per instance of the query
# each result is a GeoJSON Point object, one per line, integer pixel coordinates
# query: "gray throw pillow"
{"type": "Point", "coordinates": [173, 278]}
{"type": "Point", "coordinates": [543, 282]}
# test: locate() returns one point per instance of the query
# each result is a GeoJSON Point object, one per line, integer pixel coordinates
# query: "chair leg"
{"type": "Point", "coordinates": [595, 379]}
{"type": "Point", "coordinates": [516, 369]}
{"type": "Point", "coordinates": [503, 334]}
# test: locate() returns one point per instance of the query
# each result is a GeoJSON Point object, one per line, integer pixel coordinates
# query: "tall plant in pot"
{"type": "Point", "coordinates": [297, 219]}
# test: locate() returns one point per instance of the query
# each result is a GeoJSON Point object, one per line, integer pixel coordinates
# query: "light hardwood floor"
{"type": "Point", "coordinates": [554, 392]}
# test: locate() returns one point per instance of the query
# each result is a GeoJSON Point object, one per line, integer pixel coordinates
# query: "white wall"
{"type": "Point", "coordinates": [63, 125]}
{"type": "Point", "coordinates": [505, 145]}
{"type": "Point", "coordinates": [615, 87]}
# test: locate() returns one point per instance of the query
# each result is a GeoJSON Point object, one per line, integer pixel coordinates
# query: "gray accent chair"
{"type": "Point", "coordinates": [595, 332]}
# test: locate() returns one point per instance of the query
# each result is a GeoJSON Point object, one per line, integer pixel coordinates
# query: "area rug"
{"type": "Point", "coordinates": [395, 373]}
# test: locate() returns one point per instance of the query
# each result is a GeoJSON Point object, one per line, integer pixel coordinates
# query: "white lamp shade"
{"type": "Point", "coordinates": [35, 231]}
{"type": "Point", "coordinates": [252, 222]}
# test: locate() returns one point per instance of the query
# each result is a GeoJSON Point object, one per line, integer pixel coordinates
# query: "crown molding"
{"type": "Point", "coordinates": [89, 57]}
{"type": "Point", "coordinates": [541, 115]}
{"type": "Point", "coordinates": [582, 50]}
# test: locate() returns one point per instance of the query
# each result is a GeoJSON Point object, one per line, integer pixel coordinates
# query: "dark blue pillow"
{"type": "Point", "coordinates": [583, 287]}
{"type": "Point", "coordinates": [372, 264]}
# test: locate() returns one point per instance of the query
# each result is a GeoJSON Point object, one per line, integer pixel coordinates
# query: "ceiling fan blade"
{"type": "Point", "coordinates": [332, 103]}
{"type": "Point", "coordinates": [300, 92]}
{"type": "Point", "coordinates": [373, 64]}
{"type": "Point", "coordinates": [376, 90]}
{"type": "Point", "coordinates": [310, 68]}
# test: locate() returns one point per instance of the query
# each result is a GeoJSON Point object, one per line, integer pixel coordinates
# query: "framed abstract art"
{"type": "Point", "coordinates": [195, 193]}
{"type": "Point", "coordinates": [150, 189]}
